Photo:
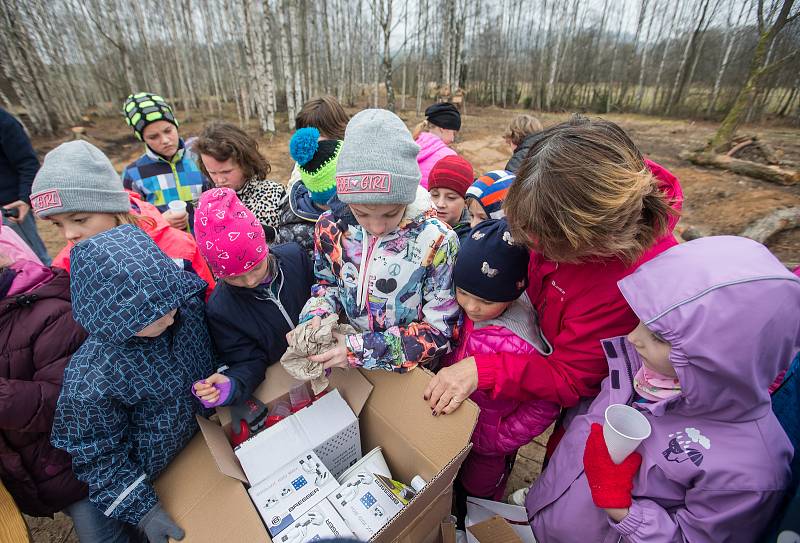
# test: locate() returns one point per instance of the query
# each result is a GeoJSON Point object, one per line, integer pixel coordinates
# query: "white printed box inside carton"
{"type": "Point", "coordinates": [205, 490]}
{"type": "Point", "coordinates": [366, 503]}
{"type": "Point", "coordinates": [292, 490]}
{"type": "Point", "coordinates": [328, 427]}
{"type": "Point", "coordinates": [321, 522]}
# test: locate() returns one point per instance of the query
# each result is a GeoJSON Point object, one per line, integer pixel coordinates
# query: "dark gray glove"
{"type": "Point", "coordinates": [158, 527]}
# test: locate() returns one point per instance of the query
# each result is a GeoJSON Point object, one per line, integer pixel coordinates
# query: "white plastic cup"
{"type": "Point", "coordinates": [178, 208]}
{"type": "Point", "coordinates": [623, 430]}
{"type": "Point", "coordinates": [372, 462]}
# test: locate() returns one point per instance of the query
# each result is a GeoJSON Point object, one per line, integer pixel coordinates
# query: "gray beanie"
{"type": "Point", "coordinates": [77, 176]}
{"type": "Point", "coordinates": [378, 160]}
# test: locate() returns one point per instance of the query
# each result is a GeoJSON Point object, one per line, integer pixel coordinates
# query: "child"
{"type": "Point", "coordinates": [229, 157]}
{"type": "Point", "coordinates": [327, 115]}
{"type": "Point", "coordinates": [38, 336]}
{"type": "Point", "coordinates": [448, 183]}
{"type": "Point", "coordinates": [490, 276]}
{"type": "Point", "coordinates": [126, 409]}
{"type": "Point", "coordinates": [718, 321]}
{"type": "Point", "coordinates": [486, 195]}
{"type": "Point", "coordinates": [167, 170]}
{"type": "Point", "coordinates": [257, 301]}
{"type": "Point", "coordinates": [316, 161]}
{"type": "Point", "coordinates": [381, 257]}
{"type": "Point", "coordinates": [521, 135]}
{"type": "Point", "coordinates": [434, 135]}
{"type": "Point", "coordinates": [78, 190]}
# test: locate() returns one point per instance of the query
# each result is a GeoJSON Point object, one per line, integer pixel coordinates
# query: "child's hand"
{"type": "Point", "coordinates": [316, 322]}
{"type": "Point", "coordinates": [205, 389]}
{"type": "Point", "coordinates": [611, 484]}
{"type": "Point", "coordinates": [335, 357]}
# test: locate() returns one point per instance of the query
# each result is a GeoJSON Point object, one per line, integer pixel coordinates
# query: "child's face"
{"type": "Point", "coordinates": [161, 137]}
{"type": "Point", "coordinates": [653, 350]}
{"type": "Point", "coordinates": [378, 220]}
{"type": "Point", "coordinates": [226, 174]}
{"type": "Point", "coordinates": [478, 309]}
{"type": "Point", "coordinates": [477, 214]}
{"type": "Point", "coordinates": [78, 226]}
{"type": "Point", "coordinates": [156, 328]}
{"type": "Point", "coordinates": [251, 278]}
{"type": "Point", "coordinates": [449, 205]}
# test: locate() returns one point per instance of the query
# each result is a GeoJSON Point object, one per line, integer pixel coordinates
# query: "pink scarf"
{"type": "Point", "coordinates": [655, 386]}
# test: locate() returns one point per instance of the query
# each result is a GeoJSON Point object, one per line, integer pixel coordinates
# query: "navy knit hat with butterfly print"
{"type": "Point", "coordinates": [490, 265]}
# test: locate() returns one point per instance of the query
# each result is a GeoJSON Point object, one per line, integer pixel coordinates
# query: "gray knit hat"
{"type": "Point", "coordinates": [77, 176]}
{"type": "Point", "coordinates": [378, 160]}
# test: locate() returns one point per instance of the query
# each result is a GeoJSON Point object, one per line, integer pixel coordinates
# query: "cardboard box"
{"type": "Point", "coordinates": [365, 503]}
{"type": "Point", "coordinates": [322, 522]}
{"type": "Point", "coordinates": [488, 520]}
{"type": "Point", "coordinates": [291, 491]}
{"type": "Point", "coordinates": [328, 427]}
{"type": "Point", "coordinates": [203, 489]}
{"type": "Point", "coordinates": [494, 530]}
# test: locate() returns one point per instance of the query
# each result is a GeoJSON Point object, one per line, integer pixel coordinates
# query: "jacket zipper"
{"type": "Point", "coordinates": [372, 242]}
{"type": "Point", "coordinates": [177, 186]}
{"type": "Point", "coordinates": [277, 301]}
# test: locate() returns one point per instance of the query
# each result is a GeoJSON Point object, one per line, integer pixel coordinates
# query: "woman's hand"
{"type": "Point", "coordinates": [206, 390]}
{"type": "Point", "coordinates": [335, 357]}
{"type": "Point", "coordinates": [451, 386]}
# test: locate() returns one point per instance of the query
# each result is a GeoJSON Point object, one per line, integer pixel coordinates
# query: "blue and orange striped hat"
{"type": "Point", "coordinates": [490, 190]}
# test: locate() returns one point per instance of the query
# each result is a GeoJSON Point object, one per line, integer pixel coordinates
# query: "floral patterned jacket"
{"type": "Point", "coordinates": [395, 290]}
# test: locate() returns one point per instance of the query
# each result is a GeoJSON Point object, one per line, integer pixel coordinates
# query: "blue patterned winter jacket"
{"type": "Point", "coordinates": [126, 409]}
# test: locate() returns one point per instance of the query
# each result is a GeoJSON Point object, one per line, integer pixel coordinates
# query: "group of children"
{"type": "Point", "coordinates": [504, 284]}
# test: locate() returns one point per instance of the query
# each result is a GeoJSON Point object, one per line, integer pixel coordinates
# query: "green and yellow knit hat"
{"type": "Point", "coordinates": [144, 108]}
{"type": "Point", "coordinates": [317, 162]}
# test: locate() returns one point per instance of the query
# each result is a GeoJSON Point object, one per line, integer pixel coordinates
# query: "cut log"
{"type": "Point", "coordinates": [777, 221]}
{"type": "Point", "coordinates": [766, 172]}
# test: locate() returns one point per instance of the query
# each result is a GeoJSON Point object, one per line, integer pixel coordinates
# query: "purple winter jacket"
{"type": "Point", "coordinates": [38, 336]}
{"type": "Point", "coordinates": [717, 461]}
{"type": "Point", "coordinates": [505, 425]}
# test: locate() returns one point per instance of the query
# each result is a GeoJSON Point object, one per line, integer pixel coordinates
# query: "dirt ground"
{"type": "Point", "coordinates": [716, 202]}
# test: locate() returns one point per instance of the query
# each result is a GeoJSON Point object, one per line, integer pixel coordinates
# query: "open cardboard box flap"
{"type": "Point", "coordinates": [202, 488]}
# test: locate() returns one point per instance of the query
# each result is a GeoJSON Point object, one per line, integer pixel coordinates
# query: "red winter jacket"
{"type": "Point", "coordinates": [38, 336]}
{"type": "Point", "coordinates": [176, 244]}
{"type": "Point", "coordinates": [578, 306]}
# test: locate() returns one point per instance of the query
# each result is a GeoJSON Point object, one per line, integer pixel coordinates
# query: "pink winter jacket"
{"type": "Point", "coordinates": [431, 150]}
{"type": "Point", "coordinates": [505, 425]}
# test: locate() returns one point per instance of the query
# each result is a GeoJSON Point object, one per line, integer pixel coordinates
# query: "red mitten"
{"type": "Point", "coordinates": [611, 484]}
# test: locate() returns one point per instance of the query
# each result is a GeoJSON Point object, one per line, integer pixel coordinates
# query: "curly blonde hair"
{"type": "Point", "coordinates": [585, 193]}
{"type": "Point", "coordinates": [521, 127]}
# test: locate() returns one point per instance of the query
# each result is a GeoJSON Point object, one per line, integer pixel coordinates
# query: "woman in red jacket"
{"type": "Point", "coordinates": [591, 209]}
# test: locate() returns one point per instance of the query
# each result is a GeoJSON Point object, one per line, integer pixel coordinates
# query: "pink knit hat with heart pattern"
{"type": "Point", "coordinates": [229, 236]}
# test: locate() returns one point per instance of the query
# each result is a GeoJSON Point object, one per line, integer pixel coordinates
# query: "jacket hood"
{"type": "Point", "coordinates": [301, 204]}
{"type": "Point", "coordinates": [728, 308]}
{"type": "Point", "coordinates": [29, 276]}
{"type": "Point", "coordinates": [122, 281]}
{"type": "Point", "coordinates": [428, 145]}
